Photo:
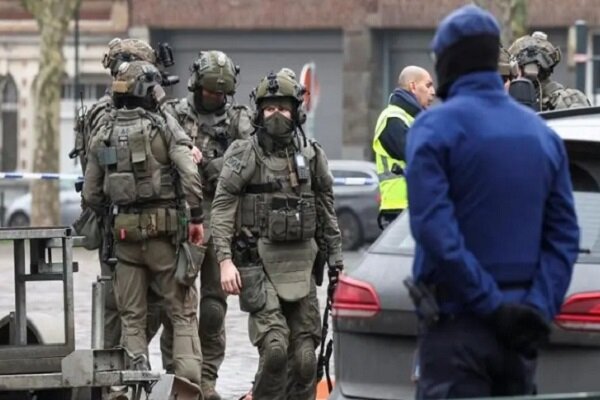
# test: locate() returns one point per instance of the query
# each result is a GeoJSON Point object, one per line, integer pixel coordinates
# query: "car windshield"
{"type": "Point", "coordinates": [398, 240]}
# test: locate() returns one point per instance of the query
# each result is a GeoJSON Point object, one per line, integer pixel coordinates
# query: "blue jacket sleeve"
{"type": "Point", "coordinates": [560, 244]}
{"type": "Point", "coordinates": [434, 226]}
{"type": "Point", "coordinates": [393, 138]}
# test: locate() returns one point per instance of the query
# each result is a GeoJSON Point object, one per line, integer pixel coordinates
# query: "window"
{"type": "Point", "coordinates": [91, 87]}
{"type": "Point", "coordinates": [9, 128]}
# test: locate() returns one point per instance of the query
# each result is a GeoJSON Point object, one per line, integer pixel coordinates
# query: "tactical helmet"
{"type": "Point", "coordinates": [135, 78]}
{"type": "Point", "coordinates": [121, 50]}
{"type": "Point", "coordinates": [535, 49]}
{"type": "Point", "coordinates": [279, 85]}
{"type": "Point", "coordinates": [215, 72]}
{"type": "Point", "coordinates": [507, 65]}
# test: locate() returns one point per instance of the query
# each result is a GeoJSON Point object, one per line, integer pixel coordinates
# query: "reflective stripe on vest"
{"type": "Point", "coordinates": [391, 186]}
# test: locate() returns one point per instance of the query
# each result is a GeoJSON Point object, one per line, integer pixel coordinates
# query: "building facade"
{"type": "Point", "coordinates": [357, 46]}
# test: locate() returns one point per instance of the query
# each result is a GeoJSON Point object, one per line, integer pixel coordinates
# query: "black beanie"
{"type": "Point", "coordinates": [470, 54]}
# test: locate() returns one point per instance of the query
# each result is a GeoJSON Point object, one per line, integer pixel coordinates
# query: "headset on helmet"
{"type": "Point", "coordinates": [215, 72]}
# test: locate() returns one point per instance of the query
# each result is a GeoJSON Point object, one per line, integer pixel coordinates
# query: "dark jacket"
{"type": "Point", "coordinates": [393, 137]}
{"type": "Point", "coordinates": [491, 205]}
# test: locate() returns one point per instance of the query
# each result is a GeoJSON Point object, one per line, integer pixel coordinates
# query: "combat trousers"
{"type": "Point", "coordinates": [287, 335]}
{"type": "Point", "coordinates": [149, 262]}
{"type": "Point", "coordinates": [112, 321]}
{"type": "Point", "coordinates": [213, 307]}
{"type": "Point", "coordinates": [461, 357]}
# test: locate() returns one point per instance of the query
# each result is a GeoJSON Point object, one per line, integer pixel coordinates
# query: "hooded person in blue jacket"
{"type": "Point", "coordinates": [491, 211]}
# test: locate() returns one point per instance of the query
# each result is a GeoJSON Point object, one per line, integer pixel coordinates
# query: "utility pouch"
{"type": "Point", "coordinates": [189, 260]}
{"type": "Point", "coordinates": [253, 295]}
{"type": "Point", "coordinates": [126, 228]}
{"type": "Point", "coordinates": [121, 188]}
{"type": "Point", "coordinates": [88, 226]}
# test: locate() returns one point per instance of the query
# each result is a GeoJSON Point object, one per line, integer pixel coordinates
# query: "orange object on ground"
{"type": "Point", "coordinates": [323, 390]}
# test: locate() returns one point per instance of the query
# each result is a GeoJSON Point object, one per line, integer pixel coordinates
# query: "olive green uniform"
{"type": "Point", "coordinates": [255, 191]}
{"type": "Point", "coordinates": [133, 164]}
{"type": "Point", "coordinates": [212, 134]}
{"type": "Point", "coordinates": [95, 117]}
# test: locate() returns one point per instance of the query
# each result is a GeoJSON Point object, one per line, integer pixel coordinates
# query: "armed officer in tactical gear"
{"type": "Point", "coordinates": [273, 195]}
{"type": "Point", "coordinates": [140, 163]}
{"type": "Point", "coordinates": [213, 122]}
{"type": "Point", "coordinates": [119, 51]}
{"type": "Point", "coordinates": [536, 58]}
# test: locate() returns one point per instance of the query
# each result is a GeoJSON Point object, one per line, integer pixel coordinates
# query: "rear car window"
{"type": "Point", "coordinates": [397, 238]}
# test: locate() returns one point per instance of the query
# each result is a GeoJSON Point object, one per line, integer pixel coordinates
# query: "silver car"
{"type": "Point", "coordinates": [356, 190]}
{"type": "Point", "coordinates": [374, 322]}
{"type": "Point", "coordinates": [19, 211]}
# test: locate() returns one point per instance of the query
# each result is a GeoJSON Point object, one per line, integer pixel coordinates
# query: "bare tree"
{"type": "Point", "coordinates": [53, 17]}
{"type": "Point", "coordinates": [512, 15]}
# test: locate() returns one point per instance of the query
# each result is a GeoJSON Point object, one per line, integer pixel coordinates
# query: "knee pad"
{"type": "Point", "coordinates": [274, 354]}
{"type": "Point", "coordinates": [212, 315]}
{"type": "Point", "coordinates": [306, 362]}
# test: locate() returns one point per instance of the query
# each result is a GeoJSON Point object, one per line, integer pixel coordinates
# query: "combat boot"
{"type": "Point", "coordinates": [210, 393]}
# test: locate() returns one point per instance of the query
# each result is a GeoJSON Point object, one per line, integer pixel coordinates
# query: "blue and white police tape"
{"type": "Point", "coordinates": [35, 176]}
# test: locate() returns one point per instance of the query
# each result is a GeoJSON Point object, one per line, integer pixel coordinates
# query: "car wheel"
{"type": "Point", "coordinates": [18, 219]}
{"type": "Point", "coordinates": [351, 230]}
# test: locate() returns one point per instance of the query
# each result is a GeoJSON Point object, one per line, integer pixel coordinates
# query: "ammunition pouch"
{"type": "Point", "coordinates": [189, 260]}
{"type": "Point", "coordinates": [148, 224]}
{"type": "Point", "coordinates": [291, 218]}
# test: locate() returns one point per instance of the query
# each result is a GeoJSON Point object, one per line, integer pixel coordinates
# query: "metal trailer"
{"type": "Point", "coordinates": [32, 369]}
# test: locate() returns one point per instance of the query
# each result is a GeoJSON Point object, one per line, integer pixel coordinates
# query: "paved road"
{"type": "Point", "coordinates": [241, 358]}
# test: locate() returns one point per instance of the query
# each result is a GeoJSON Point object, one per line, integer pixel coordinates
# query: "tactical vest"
{"type": "Point", "coordinates": [133, 174]}
{"type": "Point", "coordinates": [392, 187]}
{"type": "Point", "coordinates": [212, 134]}
{"type": "Point", "coordinates": [284, 218]}
{"type": "Point", "coordinates": [557, 97]}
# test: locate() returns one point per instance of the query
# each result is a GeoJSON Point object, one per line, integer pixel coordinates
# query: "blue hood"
{"type": "Point", "coordinates": [464, 22]}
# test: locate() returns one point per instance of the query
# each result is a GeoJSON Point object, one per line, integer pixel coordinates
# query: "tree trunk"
{"type": "Point", "coordinates": [512, 16]}
{"type": "Point", "coordinates": [53, 17]}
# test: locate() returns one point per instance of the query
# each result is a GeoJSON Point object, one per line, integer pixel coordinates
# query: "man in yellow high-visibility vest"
{"type": "Point", "coordinates": [414, 93]}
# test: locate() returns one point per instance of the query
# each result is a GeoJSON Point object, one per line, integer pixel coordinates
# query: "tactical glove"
{"type": "Point", "coordinates": [520, 327]}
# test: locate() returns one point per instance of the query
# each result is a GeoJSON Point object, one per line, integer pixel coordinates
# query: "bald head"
{"type": "Point", "coordinates": [417, 81]}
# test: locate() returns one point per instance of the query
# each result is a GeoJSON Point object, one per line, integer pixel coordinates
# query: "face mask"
{"type": "Point", "coordinates": [278, 126]}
